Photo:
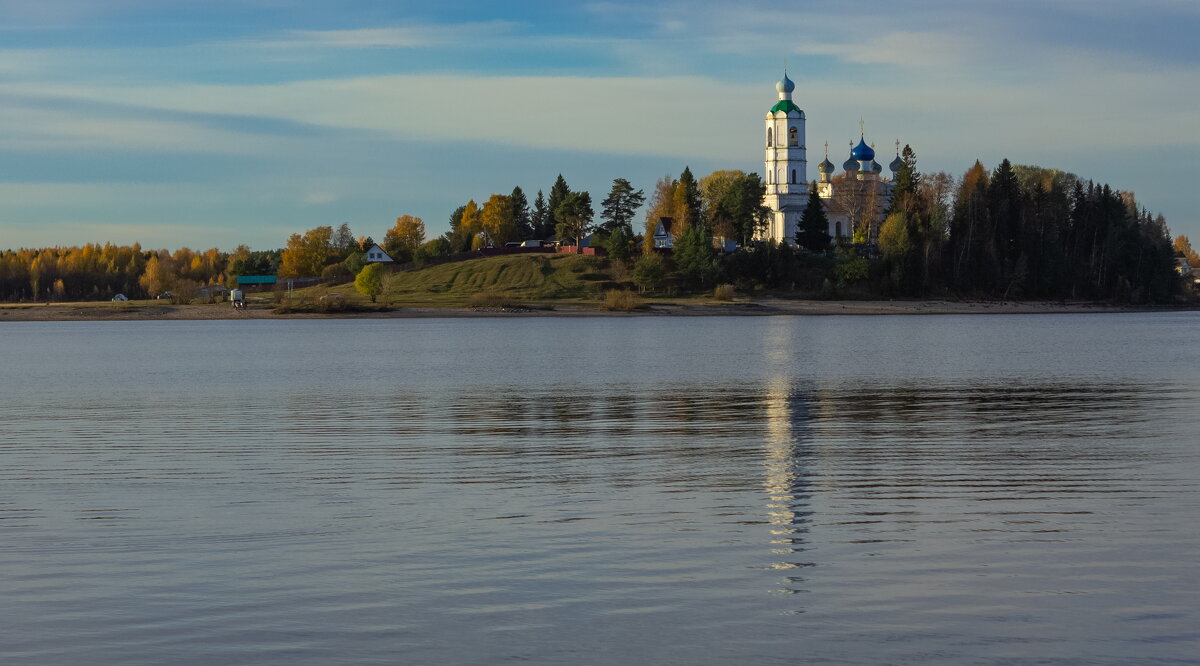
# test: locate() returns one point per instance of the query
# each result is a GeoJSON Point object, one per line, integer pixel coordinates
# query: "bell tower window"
{"type": "Point", "coordinates": [768, 137]}
{"type": "Point", "coordinates": [793, 137]}
{"type": "Point", "coordinates": [793, 176]}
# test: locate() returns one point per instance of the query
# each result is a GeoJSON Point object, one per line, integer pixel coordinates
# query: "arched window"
{"type": "Point", "coordinates": [768, 137]}
{"type": "Point", "coordinates": [768, 178]}
{"type": "Point", "coordinates": [839, 230]}
{"type": "Point", "coordinates": [793, 137]}
{"type": "Point", "coordinates": [793, 176]}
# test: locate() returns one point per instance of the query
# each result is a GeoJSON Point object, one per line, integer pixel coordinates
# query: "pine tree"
{"type": "Point", "coordinates": [620, 206]}
{"type": "Point", "coordinates": [813, 234]}
{"type": "Point", "coordinates": [574, 217]}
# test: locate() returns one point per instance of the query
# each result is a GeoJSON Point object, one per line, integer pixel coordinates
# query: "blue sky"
{"type": "Point", "coordinates": [219, 122]}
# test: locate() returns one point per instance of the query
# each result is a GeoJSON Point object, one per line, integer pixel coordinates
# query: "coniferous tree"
{"type": "Point", "coordinates": [618, 245]}
{"type": "Point", "coordinates": [1004, 202]}
{"type": "Point", "coordinates": [813, 234]}
{"type": "Point", "coordinates": [558, 194]}
{"type": "Point", "coordinates": [574, 217]}
{"type": "Point", "coordinates": [540, 219]}
{"type": "Point", "coordinates": [520, 206]}
{"type": "Point", "coordinates": [456, 218]}
{"type": "Point", "coordinates": [693, 256]}
{"type": "Point", "coordinates": [687, 202]}
{"type": "Point", "coordinates": [620, 206]}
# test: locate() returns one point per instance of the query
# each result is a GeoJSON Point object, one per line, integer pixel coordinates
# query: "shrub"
{"type": "Point", "coordinates": [492, 300]}
{"type": "Point", "coordinates": [649, 273]}
{"type": "Point", "coordinates": [330, 303]}
{"type": "Point", "coordinates": [182, 292]}
{"type": "Point", "coordinates": [338, 273]}
{"type": "Point", "coordinates": [723, 292]}
{"type": "Point", "coordinates": [621, 300]}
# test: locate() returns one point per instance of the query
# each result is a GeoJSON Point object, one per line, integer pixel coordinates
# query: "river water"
{"type": "Point", "coordinates": [657, 490]}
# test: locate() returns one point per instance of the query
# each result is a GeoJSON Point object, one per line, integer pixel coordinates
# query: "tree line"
{"type": "Point", "coordinates": [1022, 232]}
{"type": "Point", "coordinates": [99, 272]}
{"type": "Point", "coordinates": [1014, 232]}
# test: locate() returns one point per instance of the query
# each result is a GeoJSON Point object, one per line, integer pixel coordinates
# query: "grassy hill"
{"type": "Point", "coordinates": [520, 277]}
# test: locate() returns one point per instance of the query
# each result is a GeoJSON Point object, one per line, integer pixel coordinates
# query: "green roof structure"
{"type": "Point", "coordinates": [786, 105]}
{"type": "Point", "coordinates": [256, 279]}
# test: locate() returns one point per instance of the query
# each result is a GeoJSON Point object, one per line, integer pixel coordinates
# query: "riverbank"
{"type": "Point", "coordinates": [756, 307]}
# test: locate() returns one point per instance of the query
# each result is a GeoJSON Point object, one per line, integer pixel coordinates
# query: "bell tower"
{"type": "Point", "coordinates": [785, 165]}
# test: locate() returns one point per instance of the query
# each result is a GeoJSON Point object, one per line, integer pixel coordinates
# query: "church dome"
{"type": "Point", "coordinates": [862, 152]}
{"type": "Point", "coordinates": [876, 167]}
{"type": "Point", "coordinates": [825, 167]}
{"type": "Point", "coordinates": [850, 164]}
{"type": "Point", "coordinates": [785, 85]}
{"type": "Point", "coordinates": [896, 164]}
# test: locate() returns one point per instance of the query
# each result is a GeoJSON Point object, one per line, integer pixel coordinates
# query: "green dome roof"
{"type": "Point", "coordinates": [787, 106]}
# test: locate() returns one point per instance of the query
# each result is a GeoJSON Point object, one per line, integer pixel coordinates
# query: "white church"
{"type": "Point", "coordinates": [859, 195]}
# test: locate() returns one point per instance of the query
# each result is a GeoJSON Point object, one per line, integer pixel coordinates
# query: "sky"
{"type": "Point", "coordinates": [215, 123]}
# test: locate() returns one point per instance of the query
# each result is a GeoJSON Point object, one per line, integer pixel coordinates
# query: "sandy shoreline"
{"type": "Point", "coordinates": [759, 307]}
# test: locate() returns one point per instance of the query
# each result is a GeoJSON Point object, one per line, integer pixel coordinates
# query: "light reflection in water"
{"type": "Point", "coordinates": [788, 476]}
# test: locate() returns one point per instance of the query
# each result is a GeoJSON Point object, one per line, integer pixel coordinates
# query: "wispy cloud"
{"type": "Point", "coordinates": [42, 128]}
{"type": "Point", "coordinates": [396, 37]}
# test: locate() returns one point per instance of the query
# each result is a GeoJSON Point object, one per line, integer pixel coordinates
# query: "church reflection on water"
{"type": "Point", "coordinates": [790, 464]}
{"type": "Point", "coordinates": [789, 477]}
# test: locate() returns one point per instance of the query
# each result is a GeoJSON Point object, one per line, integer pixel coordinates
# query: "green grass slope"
{"type": "Point", "coordinates": [525, 277]}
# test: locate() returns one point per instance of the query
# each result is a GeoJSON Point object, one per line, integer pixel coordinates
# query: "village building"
{"type": "Point", "coordinates": [853, 199]}
{"type": "Point", "coordinates": [377, 255]}
{"type": "Point", "coordinates": [663, 238]}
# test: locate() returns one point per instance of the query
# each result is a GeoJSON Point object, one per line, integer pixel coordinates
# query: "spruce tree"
{"type": "Point", "coordinates": [693, 255]}
{"type": "Point", "coordinates": [813, 234]}
{"type": "Point", "coordinates": [688, 206]}
{"type": "Point", "coordinates": [558, 194]}
{"type": "Point", "coordinates": [540, 218]}
{"type": "Point", "coordinates": [520, 207]}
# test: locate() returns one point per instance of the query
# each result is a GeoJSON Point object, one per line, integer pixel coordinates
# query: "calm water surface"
{"type": "Point", "coordinates": [910, 490]}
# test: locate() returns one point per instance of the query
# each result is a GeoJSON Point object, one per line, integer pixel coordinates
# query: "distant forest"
{"type": "Point", "coordinates": [1016, 232]}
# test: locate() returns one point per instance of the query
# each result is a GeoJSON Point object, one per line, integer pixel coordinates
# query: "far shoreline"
{"type": "Point", "coordinates": [759, 307]}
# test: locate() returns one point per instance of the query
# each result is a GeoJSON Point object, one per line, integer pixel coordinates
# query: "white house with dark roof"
{"type": "Point", "coordinates": [376, 255]}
